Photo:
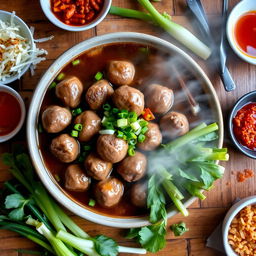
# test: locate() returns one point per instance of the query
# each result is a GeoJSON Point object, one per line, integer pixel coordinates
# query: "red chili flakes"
{"type": "Point", "coordinates": [245, 174]}
{"type": "Point", "coordinates": [245, 126]}
{"type": "Point", "coordinates": [76, 12]}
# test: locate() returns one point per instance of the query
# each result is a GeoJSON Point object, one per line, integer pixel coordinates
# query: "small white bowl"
{"type": "Point", "coordinates": [233, 211]}
{"type": "Point", "coordinates": [11, 91]}
{"type": "Point", "coordinates": [25, 32]}
{"type": "Point", "coordinates": [46, 7]}
{"type": "Point", "coordinates": [240, 9]}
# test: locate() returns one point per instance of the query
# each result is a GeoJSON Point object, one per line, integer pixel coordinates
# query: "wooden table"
{"type": "Point", "coordinates": [204, 215]}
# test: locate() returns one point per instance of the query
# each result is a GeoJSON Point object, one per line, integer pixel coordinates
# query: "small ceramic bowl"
{"type": "Point", "coordinates": [46, 7]}
{"type": "Point", "coordinates": [233, 211]}
{"type": "Point", "coordinates": [241, 8]}
{"type": "Point", "coordinates": [11, 91]}
{"type": "Point", "coordinates": [244, 100]}
{"type": "Point", "coordinates": [25, 32]}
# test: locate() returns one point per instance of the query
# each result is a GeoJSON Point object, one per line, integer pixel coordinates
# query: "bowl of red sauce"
{"type": "Point", "coordinates": [241, 30]}
{"type": "Point", "coordinates": [242, 124]}
{"type": "Point", "coordinates": [12, 113]}
{"type": "Point", "coordinates": [75, 15]}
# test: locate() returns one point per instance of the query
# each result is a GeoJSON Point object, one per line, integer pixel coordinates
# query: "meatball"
{"type": "Point", "coordinates": [69, 91]}
{"type": "Point", "coordinates": [138, 194]}
{"type": "Point", "coordinates": [98, 94]}
{"type": "Point", "coordinates": [159, 98]}
{"type": "Point", "coordinates": [75, 179]}
{"type": "Point", "coordinates": [153, 138]}
{"type": "Point", "coordinates": [129, 98]}
{"type": "Point", "coordinates": [55, 119]}
{"type": "Point", "coordinates": [109, 192]}
{"type": "Point", "coordinates": [91, 125]}
{"type": "Point", "coordinates": [96, 167]}
{"type": "Point", "coordinates": [111, 149]}
{"type": "Point", "coordinates": [65, 148]}
{"type": "Point", "coordinates": [133, 168]}
{"type": "Point", "coordinates": [121, 72]}
{"type": "Point", "coordinates": [174, 124]}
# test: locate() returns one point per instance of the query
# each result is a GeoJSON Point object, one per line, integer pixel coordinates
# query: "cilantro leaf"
{"type": "Point", "coordinates": [17, 214]}
{"type": "Point", "coordinates": [179, 229]}
{"type": "Point", "coordinates": [152, 238]}
{"type": "Point", "coordinates": [133, 233]}
{"type": "Point", "coordinates": [14, 201]}
{"type": "Point", "coordinates": [105, 246]}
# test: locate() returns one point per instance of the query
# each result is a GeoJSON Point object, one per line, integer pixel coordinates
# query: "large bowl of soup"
{"type": "Point", "coordinates": [92, 171]}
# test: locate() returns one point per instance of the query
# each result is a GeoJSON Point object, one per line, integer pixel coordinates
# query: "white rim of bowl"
{"type": "Point", "coordinates": [230, 32]}
{"type": "Point", "coordinates": [46, 178]}
{"type": "Point", "coordinates": [31, 39]}
{"type": "Point", "coordinates": [233, 211]}
{"type": "Point", "coordinates": [46, 7]}
{"type": "Point", "coordinates": [4, 88]}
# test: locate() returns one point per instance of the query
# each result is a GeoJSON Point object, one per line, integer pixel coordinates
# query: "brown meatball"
{"type": "Point", "coordinates": [174, 124]}
{"type": "Point", "coordinates": [129, 98]}
{"type": "Point", "coordinates": [111, 149]}
{"type": "Point", "coordinates": [109, 192]}
{"type": "Point", "coordinates": [65, 148]}
{"type": "Point", "coordinates": [75, 179]}
{"type": "Point", "coordinates": [91, 125]}
{"type": "Point", "coordinates": [98, 94]}
{"type": "Point", "coordinates": [153, 138]}
{"type": "Point", "coordinates": [138, 194]}
{"type": "Point", "coordinates": [159, 98]}
{"type": "Point", "coordinates": [55, 119]}
{"type": "Point", "coordinates": [69, 91]}
{"type": "Point", "coordinates": [133, 168]}
{"type": "Point", "coordinates": [121, 72]}
{"type": "Point", "coordinates": [96, 167]}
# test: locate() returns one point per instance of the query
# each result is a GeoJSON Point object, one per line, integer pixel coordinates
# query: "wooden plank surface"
{"type": "Point", "coordinates": [204, 216]}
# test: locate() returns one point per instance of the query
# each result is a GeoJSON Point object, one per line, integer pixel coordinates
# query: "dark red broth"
{"type": "Point", "coordinates": [152, 66]}
{"type": "Point", "coordinates": [245, 32]}
{"type": "Point", "coordinates": [10, 113]}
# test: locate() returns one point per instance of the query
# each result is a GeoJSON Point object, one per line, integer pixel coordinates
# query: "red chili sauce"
{"type": "Point", "coordinates": [245, 32]}
{"type": "Point", "coordinates": [10, 113]}
{"type": "Point", "coordinates": [76, 12]}
{"type": "Point", "coordinates": [244, 126]}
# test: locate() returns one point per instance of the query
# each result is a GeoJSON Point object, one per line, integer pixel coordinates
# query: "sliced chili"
{"type": "Point", "coordinates": [148, 115]}
{"type": "Point", "coordinates": [76, 12]}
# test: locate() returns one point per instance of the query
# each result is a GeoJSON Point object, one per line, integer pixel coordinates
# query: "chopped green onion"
{"type": "Point", "coordinates": [92, 202]}
{"type": "Point", "coordinates": [132, 142]}
{"type": "Point", "coordinates": [52, 85]}
{"type": "Point", "coordinates": [75, 62]}
{"type": "Point", "coordinates": [122, 115]}
{"type": "Point", "coordinates": [87, 148]}
{"type": "Point", "coordinates": [74, 133]}
{"type": "Point", "coordinates": [122, 122]}
{"type": "Point", "coordinates": [60, 76]}
{"type": "Point", "coordinates": [138, 131]}
{"type": "Point", "coordinates": [98, 76]}
{"type": "Point", "coordinates": [132, 117]}
{"type": "Point", "coordinates": [76, 111]}
{"type": "Point", "coordinates": [120, 134]}
{"type": "Point", "coordinates": [143, 122]}
{"type": "Point", "coordinates": [106, 107]}
{"type": "Point", "coordinates": [141, 138]}
{"type": "Point", "coordinates": [124, 137]}
{"type": "Point", "coordinates": [144, 130]}
{"type": "Point", "coordinates": [144, 49]}
{"type": "Point", "coordinates": [40, 128]}
{"type": "Point", "coordinates": [109, 132]}
{"type": "Point", "coordinates": [78, 127]}
{"type": "Point", "coordinates": [135, 126]}
{"type": "Point", "coordinates": [57, 177]}
{"type": "Point", "coordinates": [131, 151]}
{"type": "Point", "coordinates": [106, 113]}
{"type": "Point", "coordinates": [131, 135]}
{"type": "Point", "coordinates": [115, 110]}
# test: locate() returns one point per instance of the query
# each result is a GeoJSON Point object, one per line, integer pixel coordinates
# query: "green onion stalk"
{"type": "Point", "coordinates": [177, 31]}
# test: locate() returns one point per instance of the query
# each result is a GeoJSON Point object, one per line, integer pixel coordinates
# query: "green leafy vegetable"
{"type": "Point", "coordinates": [14, 201]}
{"type": "Point", "coordinates": [179, 229]}
{"type": "Point", "coordinates": [105, 246]}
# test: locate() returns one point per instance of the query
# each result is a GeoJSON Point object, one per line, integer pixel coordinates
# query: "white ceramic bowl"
{"type": "Point", "coordinates": [233, 211]}
{"type": "Point", "coordinates": [241, 8]}
{"type": "Point", "coordinates": [58, 193]}
{"type": "Point", "coordinates": [25, 32]}
{"type": "Point", "coordinates": [46, 7]}
{"type": "Point", "coordinates": [11, 91]}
